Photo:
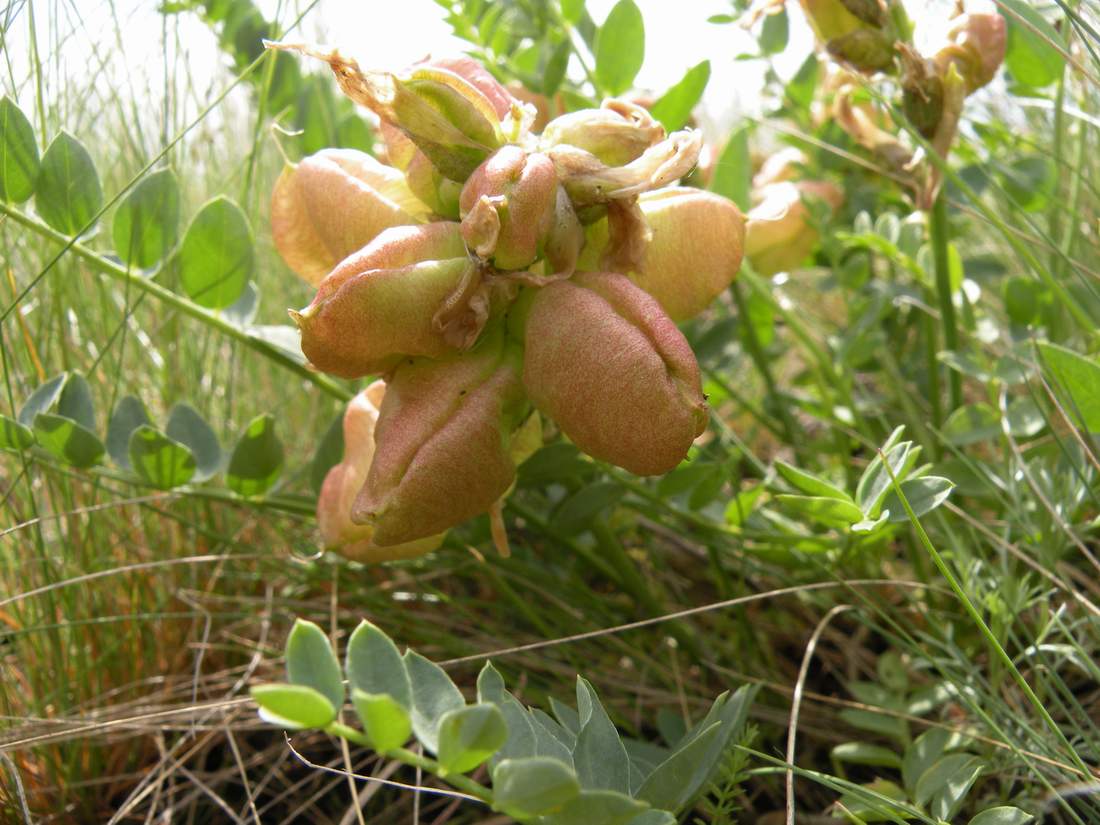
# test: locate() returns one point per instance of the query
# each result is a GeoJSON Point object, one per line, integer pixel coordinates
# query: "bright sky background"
{"type": "Point", "coordinates": [120, 43]}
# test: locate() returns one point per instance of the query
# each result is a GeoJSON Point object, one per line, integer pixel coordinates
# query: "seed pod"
{"type": "Point", "coordinates": [509, 208]}
{"type": "Point", "coordinates": [616, 133]}
{"type": "Point", "coordinates": [443, 442]}
{"type": "Point", "coordinates": [378, 305]}
{"type": "Point", "coordinates": [607, 364]}
{"type": "Point", "coordinates": [779, 233]}
{"type": "Point", "coordinates": [333, 203]}
{"type": "Point", "coordinates": [346, 479]}
{"type": "Point", "coordinates": [694, 251]}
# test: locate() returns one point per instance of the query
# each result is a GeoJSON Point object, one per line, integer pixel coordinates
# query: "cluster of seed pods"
{"type": "Point", "coordinates": [496, 278]}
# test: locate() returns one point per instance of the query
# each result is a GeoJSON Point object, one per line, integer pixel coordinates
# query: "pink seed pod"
{"type": "Point", "coordinates": [694, 253]}
{"type": "Point", "coordinates": [607, 364]}
{"type": "Point", "coordinates": [509, 206]}
{"type": "Point", "coordinates": [378, 306]}
{"type": "Point", "coordinates": [346, 479]}
{"type": "Point", "coordinates": [443, 442]}
{"type": "Point", "coordinates": [333, 203]}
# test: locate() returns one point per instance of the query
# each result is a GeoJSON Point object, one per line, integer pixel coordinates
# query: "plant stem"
{"type": "Point", "coordinates": [178, 302]}
{"type": "Point", "coordinates": [415, 760]}
{"type": "Point", "coordinates": [940, 238]}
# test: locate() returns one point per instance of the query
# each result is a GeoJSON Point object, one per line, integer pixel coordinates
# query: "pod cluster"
{"type": "Point", "coordinates": [495, 278]}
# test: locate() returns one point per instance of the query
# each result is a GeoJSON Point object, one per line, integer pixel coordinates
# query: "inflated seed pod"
{"type": "Point", "coordinates": [605, 362]}
{"type": "Point", "coordinates": [346, 479]}
{"type": "Point", "coordinates": [333, 203]}
{"type": "Point", "coordinates": [378, 306]}
{"type": "Point", "coordinates": [443, 449]}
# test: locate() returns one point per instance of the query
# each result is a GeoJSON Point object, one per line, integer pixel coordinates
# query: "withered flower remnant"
{"type": "Point", "coordinates": [484, 305]}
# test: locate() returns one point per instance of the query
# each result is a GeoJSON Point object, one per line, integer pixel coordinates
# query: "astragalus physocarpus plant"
{"type": "Point", "coordinates": [495, 278]}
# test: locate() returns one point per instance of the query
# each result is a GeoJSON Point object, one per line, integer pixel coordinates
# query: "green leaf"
{"type": "Point", "coordinates": [556, 67]}
{"type": "Point", "coordinates": [800, 91]}
{"type": "Point", "coordinates": [1023, 299]}
{"type": "Point", "coordinates": [468, 736]}
{"type": "Point", "coordinates": [42, 399]}
{"type": "Point", "coordinates": [924, 750]}
{"type": "Point", "coordinates": [433, 694]}
{"type": "Point", "coordinates": [923, 494]}
{"type": "Point", "coordinates": [535, 786]}
{"type": "Point", "coordinates": [75, 401]}
{"type": "Point", "coordinates": [257, 458]}
{"type": "Point", "coordinates": [944, 785]}
{"type": "Point", "coordinates": [1077, 384]}
{"type": "Point", "coordinates": [733, 171]}
{"type": "Point", "coordinates": [522, 739]}
{"type": "Point", "coordinates": [551, 738]}
{"type": "Point", "coordinates": [864, 753]}
{"type": "Point", "coordinates": [293, 706]}
{"type": "Point", "coordinates": [875, 482]}
{"type": "Point", "coordinates": [620, 48]}
{"type": "Point", "coordinates": [673, 108]}
{"type": "Point", "coordinates": [1025, 418]}
{"type": "Point", "coordinates": [146, 224]}
{"type": "Point", "coordinates": [374, 665]}
{"type": "Point", "coordinates": [385, 721]}
{"type": "Point", "coordinates": [686, 772]}
{"type": "Point", "coordinates": [1002, 815]}
{"type": "Point", "coordinates": [190, 429]}
{"type": "Point", "coordinates": [775, 32]}
{"type": "Point", "coordinates": [67, 194]}
{"type": "Point", "coordinates": [667, 785]}
{"type": "Point", "coordinates": [310, 661]}
{"type": "Point", "coordinates": [595, 807]}
{"type": "Point", "coordinates": [68, 440]}
{"type": "Point", "coordinates": [599, 756]}
{"type": "Point", "coordinates": [577, 513]}
{"type": "Point", "coordinates": [128, 415]}
{"type": "Point", "coordinates": [18, 154]}
{"type": "Point", "coordinates": [1031, 55]}
{"type": "Point", "coordinates": [13, 435]}
{"type": "Point", "coordinates": [159, 460]}
{"type": "Point", "coordinates": [572, 10]}
{"type": "Point", "coordinates": [810, 484]}
{"type": "Point", "coordinates": [971, 424]}
{"type": "Point", "coordinates": [216, 259]}
{"type": "Point", "coordinates": [831, 511]}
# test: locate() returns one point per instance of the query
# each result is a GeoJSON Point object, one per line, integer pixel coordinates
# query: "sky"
{"type": "Point", "coordinates": [120, 42]}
